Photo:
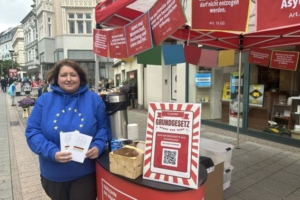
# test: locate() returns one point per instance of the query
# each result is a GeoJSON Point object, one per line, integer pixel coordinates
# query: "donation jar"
{"type": "Point", "coordinates": [116, 109]}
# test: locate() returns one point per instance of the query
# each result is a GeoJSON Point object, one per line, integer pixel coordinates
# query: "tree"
{"type": "Point", "coordinates": [7, 64]}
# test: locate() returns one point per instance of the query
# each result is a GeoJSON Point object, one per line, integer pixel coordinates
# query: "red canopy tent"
{"type": "Point", "coordinates": [223, 40]}
{"type": "Point", "coordinates": [120, 16]}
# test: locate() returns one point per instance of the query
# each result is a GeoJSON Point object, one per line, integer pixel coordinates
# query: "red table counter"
{"type": "Point", "coordinates": [114, 187]}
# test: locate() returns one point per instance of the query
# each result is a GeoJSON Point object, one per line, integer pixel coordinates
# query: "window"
{"type": "Point", "coordinates": [88, 27]}
{"type": "Point", "coordinates": [80, 23]}
{"type": "Point", "coordinates": [80, 27]}
{"type": "Point", "coordinates": [49, 27]}
{"type": "Point", "coordinates": [71, 27]}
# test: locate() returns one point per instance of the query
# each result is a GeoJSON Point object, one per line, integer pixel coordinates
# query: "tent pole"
{"type": "Point", "coordinates": [239, 101]}
{"type": "Point", "coordinates": [96, 73]}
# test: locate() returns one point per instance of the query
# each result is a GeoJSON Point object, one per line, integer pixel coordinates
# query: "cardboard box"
{"type": "Point", "coordinates": [214, 183]}
{"type": "Point", "coordinates": [127, 161]}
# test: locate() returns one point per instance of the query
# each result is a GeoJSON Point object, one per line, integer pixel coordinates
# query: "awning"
{"type": "Point", "coordinates": [107, 9]}
{"type": "Point", "coordinates": [223, 40]}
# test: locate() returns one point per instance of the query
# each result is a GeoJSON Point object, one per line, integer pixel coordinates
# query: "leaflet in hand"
{"type": "Point", "coordinates": [75, 142]}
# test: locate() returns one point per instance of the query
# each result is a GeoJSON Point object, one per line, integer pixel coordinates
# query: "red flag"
{"type": "Point", "coordinates": [100, 42]}
{"type": "Point", "coordinates": [117, 43]}
{"type": "Point", "coordinates": [164, 23]}
{"type": "Point", "coordinates": [220, 15]}
{"type": "Point", "coordinates": [138, 35]}
{"type": "Point", "coordinates": [277, 14]}
{"type": "Point", "coordinates": [286, 60]}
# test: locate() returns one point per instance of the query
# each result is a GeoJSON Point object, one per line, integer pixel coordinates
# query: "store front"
{"type": "Point", "coordinates": [267, 94]}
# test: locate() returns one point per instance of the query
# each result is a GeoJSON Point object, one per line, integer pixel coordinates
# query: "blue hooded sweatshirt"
{"type": "Point", "coordinates": [60, 111]}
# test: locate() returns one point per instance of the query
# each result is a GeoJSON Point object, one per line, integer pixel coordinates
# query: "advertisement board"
{"type": "Point", "coordinates": [173, 143]}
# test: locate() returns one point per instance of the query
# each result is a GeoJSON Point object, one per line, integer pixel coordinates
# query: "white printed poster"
{"type": "Point", "coordinates": [173, 136]}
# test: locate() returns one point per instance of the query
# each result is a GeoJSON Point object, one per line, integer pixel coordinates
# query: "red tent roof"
{"type": "Point", "coordinates": [224, 40]}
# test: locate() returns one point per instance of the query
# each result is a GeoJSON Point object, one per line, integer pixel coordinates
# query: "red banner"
{"type": "Point", "coordinates": [192, 54]}
{"type": "Point", "coordinates": [100, 42]}
{"type": "Point", "coordinates": [166, 17]}
{"type": "Point", "coordinates": [286, 60]}
{"type": "Point", "coordinates": [117, 43]}
{"type": "Point", "coordinates": [109, 7]}
{"type": "Point", "coordinates": [138, 35]}
{"type": "Point", "coordinates": [259, 56]}
{"type": "Point", "coordinates": [220, 15]}
{"type": "Point", "coordinates": [272, 14]}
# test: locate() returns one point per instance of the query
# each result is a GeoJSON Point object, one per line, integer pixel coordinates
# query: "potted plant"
{"type": "Point", "coordinates": [25, 104]}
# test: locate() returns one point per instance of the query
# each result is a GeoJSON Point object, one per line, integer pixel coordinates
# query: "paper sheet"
{"type": "Point", "coordinates": [77, 143]}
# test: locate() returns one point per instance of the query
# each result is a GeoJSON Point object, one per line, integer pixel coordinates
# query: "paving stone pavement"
{"type": "Point", "coordinates": [263, 169]}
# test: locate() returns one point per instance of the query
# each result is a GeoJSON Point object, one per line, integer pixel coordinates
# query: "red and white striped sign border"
{"type": "Point", "coordinates": [191, 182]}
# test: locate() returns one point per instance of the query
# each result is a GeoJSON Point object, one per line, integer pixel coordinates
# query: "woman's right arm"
{"type": "Point", "coordinates": [35, 138]}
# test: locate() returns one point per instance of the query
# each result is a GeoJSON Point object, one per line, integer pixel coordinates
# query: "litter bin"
{"type": "Point", "coordinates": [116, 109]}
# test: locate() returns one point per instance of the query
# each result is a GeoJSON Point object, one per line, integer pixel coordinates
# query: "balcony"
{"type": "Point", "coordinates": [44, 6]}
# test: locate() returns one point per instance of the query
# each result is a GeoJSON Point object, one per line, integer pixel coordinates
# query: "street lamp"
{"type": "Point", "coordinates": [12, 58]}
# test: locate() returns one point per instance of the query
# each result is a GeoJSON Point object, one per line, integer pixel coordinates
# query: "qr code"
{"type": "Point", "coordinates": [170, 157]}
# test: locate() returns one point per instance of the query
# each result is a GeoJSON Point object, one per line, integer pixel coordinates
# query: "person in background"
{"type": "Point", "coordinates": [12, 92]}
{"type": "Point", "coordinates": [10, 80]}
{"type": "Point", "coordinates": [40, 92]}
{"type": "Point", "coordinates": [70, 106]}
{"type": "Point", "coordinates": [3, 84]}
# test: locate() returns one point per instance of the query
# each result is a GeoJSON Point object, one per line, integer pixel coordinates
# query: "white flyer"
{"type": "Point", "coordinates": [79, 145]}
{"type": "Point", "coordinates": [65, 140]}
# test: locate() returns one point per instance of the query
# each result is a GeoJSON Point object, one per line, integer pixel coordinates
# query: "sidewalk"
{"type": "Point", "coordinates": [263, 170]}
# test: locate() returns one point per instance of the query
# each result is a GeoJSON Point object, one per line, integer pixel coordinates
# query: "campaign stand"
{"type": "Point", "coordinates": [113, 186]}
{"type": "Point", "coordinates": [172, 169]}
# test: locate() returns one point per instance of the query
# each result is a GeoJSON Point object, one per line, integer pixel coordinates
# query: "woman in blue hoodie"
{"type": "Point", "coordinates": [71, 106]}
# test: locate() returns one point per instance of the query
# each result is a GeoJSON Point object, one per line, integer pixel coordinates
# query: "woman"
{"type": "Point", "coordinates": [69, 107]}
{"type": "Point", "coordinates": [12, 92]}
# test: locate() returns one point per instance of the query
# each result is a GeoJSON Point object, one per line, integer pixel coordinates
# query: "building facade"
{"type": "Point", "coordinates": [65, 30]}
{"type": "Point", "coordinates": [6, 43]}
{"type": "Point", "coordinates": [18, 46]}
{"type": "Point", "coordinates": [32, 64]}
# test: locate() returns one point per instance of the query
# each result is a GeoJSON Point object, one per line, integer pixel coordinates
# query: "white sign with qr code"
{"type": "Point", "coordinates": [174, 136]}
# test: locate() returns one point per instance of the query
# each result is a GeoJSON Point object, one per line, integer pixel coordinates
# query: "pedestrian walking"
{"type": "Point", "coordinates": [70, 106]}
{"type": "Point", "coordinates": [12, 92]}
{"type": "Point", "coordinates": [3, 84]}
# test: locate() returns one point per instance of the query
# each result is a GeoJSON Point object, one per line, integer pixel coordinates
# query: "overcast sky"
{"type": "Point", "coordinates": [12, 12]}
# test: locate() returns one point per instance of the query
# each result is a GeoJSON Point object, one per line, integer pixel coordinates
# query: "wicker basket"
{"type": "Point", "coordinates": [122, 162]}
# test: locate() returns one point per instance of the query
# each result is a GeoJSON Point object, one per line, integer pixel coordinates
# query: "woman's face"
{"type": "Point", "coordinates": [68, 79]}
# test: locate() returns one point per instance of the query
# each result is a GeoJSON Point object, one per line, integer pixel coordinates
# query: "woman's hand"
{"type": "Point", "coordinates": [92, 153]}
{"type": "Point", "coordinates": [63, 157]}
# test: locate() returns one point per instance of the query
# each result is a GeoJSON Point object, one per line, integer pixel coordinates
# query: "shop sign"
{"type": "Point", "coordinates": [138, 35]}
{"type": "Point", "coordinates": [100, 42]}
{"type": "Point", "coordinates": [277, 14]}
{"type": "Point", "coordinates": [259, 56]}
{"type": "Point", "coordinates": [203, 79]}
{"type": "Point", "coordinates": [173, 143]}
{"type": "Point", "coordinates": [12, 72]}
{"type": "Point", "coordinates": [166, 17]}
{"type": "Point", "coordinates": [256, 95]}
{"type": "Point", "coordinates": [32, 67]}
{"type": "Point", "coordinates": [220, 15]}
{"type": "Point", "coordinates": [117, 43]}
{"type": "Point", "coordinates": [285, 60]}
